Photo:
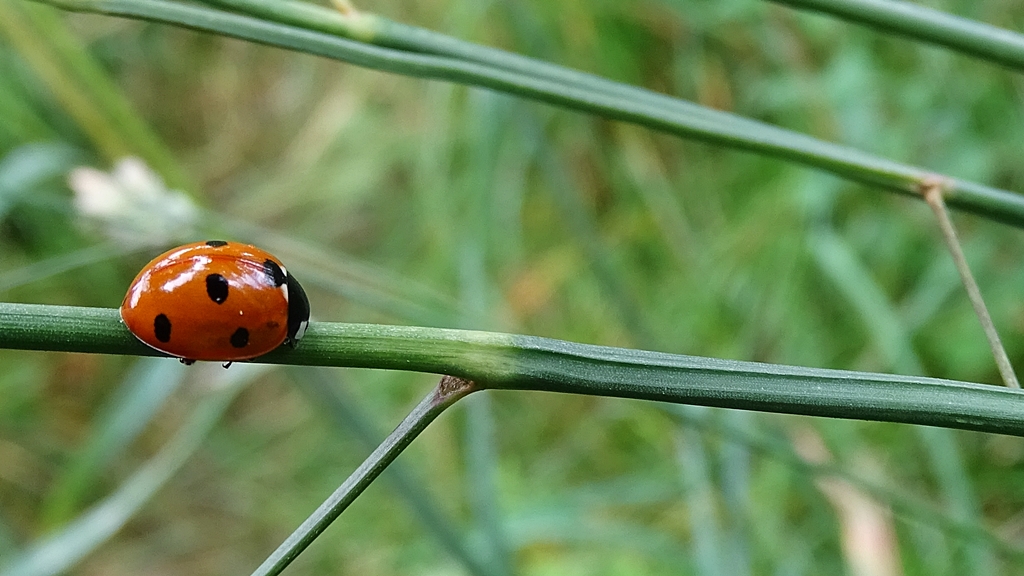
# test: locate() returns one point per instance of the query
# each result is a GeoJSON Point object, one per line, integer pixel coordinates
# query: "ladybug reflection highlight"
{"type": "Point", "coordinates": [216, 300]}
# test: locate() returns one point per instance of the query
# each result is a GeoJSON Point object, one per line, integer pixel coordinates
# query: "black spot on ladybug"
{"type": "Point", "coordinates": [217, 288]}
{"type": "Point", "coordinates": [216, 243]}
{"type": "Point", "coordinates": [274, 272]}
{"type": "Point", "coordinates": [162, 328]}
{"type": "Point", "coordinates": [240, 339]}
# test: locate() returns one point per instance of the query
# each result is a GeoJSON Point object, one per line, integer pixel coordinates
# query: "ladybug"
{"type": "Point", "coordinates": [215, 300]}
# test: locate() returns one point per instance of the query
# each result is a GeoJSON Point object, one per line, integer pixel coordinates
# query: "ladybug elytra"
{"type": "Point", "coordinates": [215, 300]}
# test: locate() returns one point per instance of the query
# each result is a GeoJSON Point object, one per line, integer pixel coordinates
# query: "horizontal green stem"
{"type": "Point", "coordinates": [922, 23]}
{"type": "Point", "coordinates": [513, 362]}
{"type": "Point", "coordinates": [707, 125]}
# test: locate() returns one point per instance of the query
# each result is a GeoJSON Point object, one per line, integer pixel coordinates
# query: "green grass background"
{"type": "Point", "coordinates": [405, 201]}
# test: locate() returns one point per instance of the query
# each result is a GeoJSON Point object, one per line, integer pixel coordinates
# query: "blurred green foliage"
{"type": "Point", "coordinates": [405, 201]}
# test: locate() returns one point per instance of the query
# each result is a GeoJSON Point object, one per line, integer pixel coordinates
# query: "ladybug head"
{"type": "Point", "coordinates": [298, 311]}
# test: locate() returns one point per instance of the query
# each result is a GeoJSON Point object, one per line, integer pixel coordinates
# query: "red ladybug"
{"type": "Point", "coordinates": [215, 300]}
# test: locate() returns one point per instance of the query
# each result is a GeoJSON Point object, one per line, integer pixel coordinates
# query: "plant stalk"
{"type": "Point", "coordinates": [448, 391]}
{"type": "Point", "coordinates": [514, 362]}
{"type": "Point", "coordinates": [683, 121]}
{"type": "Point", "coordinates": [933, 195]}
{"type": "Point", "coordinates": [926, 24]}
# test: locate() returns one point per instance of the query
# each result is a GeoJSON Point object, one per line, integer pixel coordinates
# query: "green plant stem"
{"type": "Point", "coordinates": [447, 392]}
{"type": "Point", "coordinates": [513, 362]}
{"type": "Point", "coordinates": [325, 390]}
{"type": "Point", "coordinates": [922, 23]}
{"type": "Point", "coordinates": [380, 31]}
{"type": "Point", "coordinates": [756, 137]}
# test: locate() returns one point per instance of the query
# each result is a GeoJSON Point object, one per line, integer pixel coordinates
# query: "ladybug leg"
{"type": "Point", "coordinates": [227, 364]}
{"type": "Point", "coordinates": [186, 361]}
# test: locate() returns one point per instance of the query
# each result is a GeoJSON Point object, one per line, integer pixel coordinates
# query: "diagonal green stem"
{"type": "Point", "coordinates": [386, 33]}
{"type": "Point", "coordinates": [322, 387]}
{"type": "Point", "coordinates": [447, 392]}
{"type": "Point", "coordinates": [922, 23]}
{"type": "Point", "coordinates": [514, 362]}
{"type": "Point", "coordinates": [684, 121]}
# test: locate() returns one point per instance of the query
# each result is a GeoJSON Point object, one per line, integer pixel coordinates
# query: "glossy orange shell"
{"type": "Point", "coordinates": [195, 326]}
